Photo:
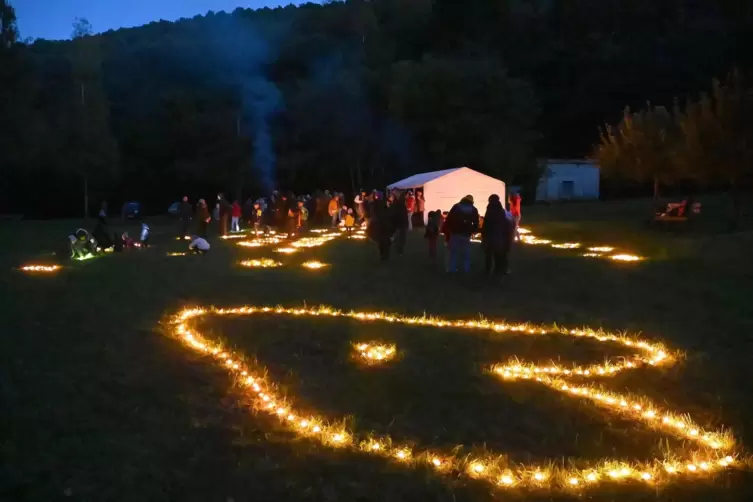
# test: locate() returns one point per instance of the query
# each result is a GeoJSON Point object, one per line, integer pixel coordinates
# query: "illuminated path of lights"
{"type": "Point", "coordinates": [713, 450]}
{"type": "Point", "coordinates": [292, 246]}
{"type": "Point", "coordinates": [607, 252]}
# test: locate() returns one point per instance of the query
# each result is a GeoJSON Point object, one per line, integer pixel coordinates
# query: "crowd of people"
{"type": "Point", "coordinates": [497, 230]}
{"type": "Point", "coordinates": [285, 212]}
{"type": "Point", "coordinates": [387, 217]}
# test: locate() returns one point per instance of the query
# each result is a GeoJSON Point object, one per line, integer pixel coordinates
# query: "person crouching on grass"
{"type": "Point", "coordinates": [198, 245]}
{"type": "Point", "coordinates": [432, 233]}
{"type": "Point", "coordinates": [80, 244]}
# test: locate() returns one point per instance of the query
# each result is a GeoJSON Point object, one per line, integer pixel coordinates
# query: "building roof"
{"type": "Point", "coordinates": [421, 179]}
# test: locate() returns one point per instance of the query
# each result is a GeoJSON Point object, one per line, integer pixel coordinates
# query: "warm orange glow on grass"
{"type": "Point", "coordinates": [176, 254]}
{"type": "Point", "coordinates": [45, 269]}
{"type": "Point", "coordinates": [527, 237]}
{"type": "Point", "coordinates": [262, 263]}
{"type": "Point", "coordinates": [625, 257]}
{"type": "Point", "coordinates": [714, 450]}
{"type": "Point", "coordinates": [374, 352]}
{"type": "Point", "coordinates": [314, 265]}
{"type": "Point", "coordinates": [286, 250]}
{"type": "Point", "coordinates": [260, 242]}
{"type": "Point", "coordinates": [602, 249]}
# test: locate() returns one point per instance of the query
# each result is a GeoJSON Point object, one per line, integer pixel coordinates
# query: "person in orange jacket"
{"type": "Point", "coordinates": [334, 209]}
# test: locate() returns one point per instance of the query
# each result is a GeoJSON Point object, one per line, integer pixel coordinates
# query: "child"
{"type": "Point", "coordinates": [343, 214]}
{"type": "Point", "coordinates": [432, 232]}
{"type": "Point", "coordinates": [303, 216]}
{"type": "Point", "coordinates": [126, 240]}
{"type": "Point", "coordinates": [198, 245]}
{"type": "Point", "coordinates": [350, 221]}
{"type": "Point", "coordinates": [145, 234]}
{"type": "Point", "coordinates": [256, 216]}
{"type": "Point", "coordinates": [80, 244]}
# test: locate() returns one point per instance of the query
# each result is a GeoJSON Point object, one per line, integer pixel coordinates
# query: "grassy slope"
{"type": "Point", "coordinates": [99, 406]}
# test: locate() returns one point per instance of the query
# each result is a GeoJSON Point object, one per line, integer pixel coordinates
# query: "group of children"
{"type": "Point", "coordinates": [82, 244]}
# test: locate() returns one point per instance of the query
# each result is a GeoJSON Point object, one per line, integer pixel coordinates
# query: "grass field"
{"type": "Point", "coordinates": [99, 405]}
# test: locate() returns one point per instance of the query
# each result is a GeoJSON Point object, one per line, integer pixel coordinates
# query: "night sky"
{"type": "Point", "coordinates": [52, 19]}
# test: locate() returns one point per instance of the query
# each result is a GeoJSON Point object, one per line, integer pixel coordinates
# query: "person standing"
{"type": "Point", "coordinates": [224, 213]}
{"type": "Point", "coordinates": [255, 218]}
{"type": "Point", "coordinates": [283, 210]}
{"type": "Point", "coordinates": [248, 212]}
{"type": "Point", "coordinates": [102, 215]}
{"type": "Point", "coordinates": [410, 208]}
{"type": "Point", "coordinates": [496, 237]}
{"type": "Point", "coordinates": [382, 226]}
{"type": "Point", "coordinates": [359, 202]}
{"type": "Point", "coordinates": [334, 209]}
{"type": "Point", "coordinates": [431, 233]}
{"type": "Point", "coordinates": [420, 204]}
{"type": "Point", "coordinates": [292, 215]}
{"type": "Point", "coordinates": [235, 214]}
{"type": "Point", "coordinates": [402, 222]}
{"type": "Point", "coordinates": [515, 212]}
{"type": "Point", "coordinates": [185, 210]}
{"type": "Point", "coordinates": [462, 223]}
{"type": "Point", "coordinates": [303, 217]}
{"type": "Point", "coordinates": [202, 218]}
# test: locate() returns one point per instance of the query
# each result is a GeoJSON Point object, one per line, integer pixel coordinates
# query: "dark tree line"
{"type": "Point", "coordinates": [342, 95]}
{"type": "Point", "coordinates": [706, 140]}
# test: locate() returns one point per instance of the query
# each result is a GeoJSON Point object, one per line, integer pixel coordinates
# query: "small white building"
{"type": "Point", "coordinates": [443, 189]}
{"type": "Point", "coordinates": [568, 179]}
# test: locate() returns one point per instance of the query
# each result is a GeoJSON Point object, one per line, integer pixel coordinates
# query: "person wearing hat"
{"type": "Point", "coordinates": [462, 223]}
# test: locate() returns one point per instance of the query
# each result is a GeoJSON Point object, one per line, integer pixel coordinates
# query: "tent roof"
{"type": "Point", "coordinates": [421, 179]}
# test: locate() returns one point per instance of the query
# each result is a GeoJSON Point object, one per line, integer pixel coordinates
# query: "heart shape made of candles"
{"type": "Point", "coordinates": [714, 450]}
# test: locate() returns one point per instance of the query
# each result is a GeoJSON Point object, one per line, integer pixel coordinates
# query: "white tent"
{"type": "Point", "coordinates": [443, 189]}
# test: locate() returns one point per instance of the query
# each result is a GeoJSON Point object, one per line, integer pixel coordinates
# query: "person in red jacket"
{"type": "Point", "coordinates": [515, 212]}
{"type": "Point", "coordinates": [410, 206]}
{"type": "Point", "coordinates": [235, 213]}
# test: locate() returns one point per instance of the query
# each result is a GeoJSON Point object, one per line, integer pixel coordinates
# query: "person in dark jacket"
{"type": "Point", "coordinates": [202, 218]}
{"type": "Point", "coordinates": [431, 233]}
{"type": "Point", "coordinates": [291, 214]}
{"type": "Point", "coordinates": [382, 226]}
{"type": "Point", "coordinates": [496, 236]}
{"type": "Point", "coordinates": [462, 223]}
{"type": "Point", "coordinates": [248, 212]}
{"type": "Point", "coordinates": [184, 212]}
{"type": "Point", "coordinates": [282, 207]}
{"type": "Point", "coordinates": [401, 216]}
{"type": "Point", "coordinates": [225, 210]}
